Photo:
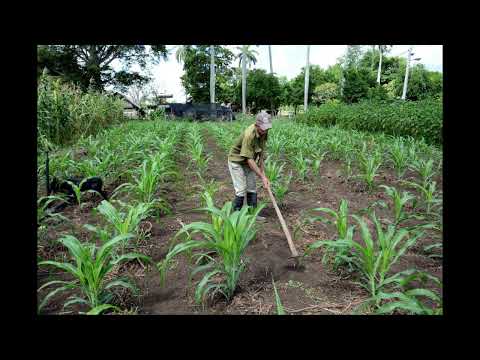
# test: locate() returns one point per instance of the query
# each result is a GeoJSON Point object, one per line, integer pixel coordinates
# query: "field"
{"type": "Point", "coordinates": [157, 174]}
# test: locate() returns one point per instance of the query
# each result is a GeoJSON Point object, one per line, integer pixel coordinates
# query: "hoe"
{"type": "Point", "coordinates": [296, 259]}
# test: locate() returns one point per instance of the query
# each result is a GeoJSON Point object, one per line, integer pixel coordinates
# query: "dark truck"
{"type": "Point", "coordinates": [200, 112]}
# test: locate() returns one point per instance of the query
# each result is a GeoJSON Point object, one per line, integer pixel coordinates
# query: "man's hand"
{"type": "Point", "coordinates": [266, 182]}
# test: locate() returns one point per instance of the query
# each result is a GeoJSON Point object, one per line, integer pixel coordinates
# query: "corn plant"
{"type": "Point", "coordinates": [429, 194]}
{"type": "Point", "coordinates": [334, 145]}
{"type": "Point", "coordinates": [399, 157]}
{"type": "Point", "coordinates": [339, 254]}
{"type": "Point", "coordinates": [278, 302]}
{"type": "Point", "coordinates": [347, 168]}
{"type": "Point", "coordinates": [409, 300]}
{"type": "Point", "coordinates": [42, 208]}
{"type": "Point", "coordinates": [77, 193]}
{"type": "Point", "coordinates": [369, 165]}
{"type": "Point", "coordinates": [273, 170]}
{"type": "Point", "coordinates": [301, 166]}
{"type": "Point", "coordinates": [145, 184]}
{"type": "Point", "coordinates": [211, 187]}
{"type": "Point", "coordinates": [124, 222]}
{"type": "Point", "coordinates": [424, 168]}
{"type": "Point", "coordinates": [374, 259]}
{"type": "Point", "coordinates": [280, 188]}
{"type": "Point", "coordinates": [317, 161]}
{"type": "Point", "coordinates": [228, 235]}
{"type": "Point", "coordinates": [399, 201]}
{"type": "Point", "coordinates": [90, 272]}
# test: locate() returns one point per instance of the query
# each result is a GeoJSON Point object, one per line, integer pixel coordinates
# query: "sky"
{"type": "Point", "coordinates": [287, 60]}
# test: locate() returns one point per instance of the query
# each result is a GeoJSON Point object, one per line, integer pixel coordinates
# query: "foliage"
{"type": "Point", "coordinates": [196, 79]}
{"type": "Point", "coordinates": [228, 236]}
{"type": "Point", "coordinates": [92, 267]}
{"type": "Point", "coordinates": [324, 92]}
{"type": "Point", "coordinates": [408, 299]}
{"type": "Point", "coordinates": [278, 301]}
{"type": "Point", "coordinates": [420, 119]}
{"type": "Point", "coordinates": [89, 66]}
{"type": "Point", "coordinates": [263, 90]}
{"type": "Point", "coordinates": [65, 113]}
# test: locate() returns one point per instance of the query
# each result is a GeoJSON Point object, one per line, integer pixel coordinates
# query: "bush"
{"type": "Point", "coordinates": [65, 113]}
{"type": "Point", "coordinates": [419, 119]}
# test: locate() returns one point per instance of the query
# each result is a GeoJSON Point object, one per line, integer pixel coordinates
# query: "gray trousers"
{"type": "Point", "coordinates": [243, 178]}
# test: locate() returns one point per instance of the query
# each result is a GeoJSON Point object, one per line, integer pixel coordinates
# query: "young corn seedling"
{"type": "Point", "coordinates": [273, 170]}
{"type": "Point", "coordinates": [278, 302]}
{"type": "Point", "coordinates": [317, 161]}
{"type": "Point", "coordinates": [369, 165]}
{"type": "Point", "coordinates": [399, 157]}
{"type": "Point", "coordinates": [425, 169]}
{"type": "Point", "coordinates": [42, 209]}
{"type": "Point", "coordinates": [228, 236]}
{"type": "Point", "coordinates": [90, 271]}
{"type": "Point", "coordinates": [301, 166]}
{"type": "Point", "coordinates": [146, 184]}
{"type": "Point", "coordinates": [124, 222]}
{"type": "Point", "coordinates": [280, 188]}
{"type": "Point", "coordinates": [399, 201]}
{"type": "Point", "coordinates": [429, 194]}
{"type": "Point", "coordinates": [78, 193]}
{"type": "Point", "coordinates": [409, 300]}
{"type": "Point", "coordinates": [374, 259]}
{"type": "Point", "coordinates": [339, 255]}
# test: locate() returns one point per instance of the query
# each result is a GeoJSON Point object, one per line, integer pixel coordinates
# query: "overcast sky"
{"type": "Point", "coordinates": [287, 60]}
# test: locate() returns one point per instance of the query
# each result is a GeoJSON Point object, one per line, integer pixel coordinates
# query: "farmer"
{"type": "Point", "coordinates": [246, 158]}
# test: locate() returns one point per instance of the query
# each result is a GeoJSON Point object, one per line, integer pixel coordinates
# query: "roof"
{"type": "Point", "coordinates": [126, 99]}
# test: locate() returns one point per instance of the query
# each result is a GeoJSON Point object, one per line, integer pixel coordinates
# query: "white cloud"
{"type": "Point", "coordinates": [287, 60]}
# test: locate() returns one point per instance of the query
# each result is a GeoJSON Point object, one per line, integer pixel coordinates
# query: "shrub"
{"type": "Point", "coordinates": [419, 119]}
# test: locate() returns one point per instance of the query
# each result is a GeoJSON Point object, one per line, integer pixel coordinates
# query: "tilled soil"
{"type": "Point", "coordinates": [312, 289]}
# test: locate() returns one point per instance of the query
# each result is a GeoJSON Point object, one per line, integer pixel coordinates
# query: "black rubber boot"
{"type": "Point", "coordinates": [252, 201]}
{"type": "Point", "coordinates": [238, 202]}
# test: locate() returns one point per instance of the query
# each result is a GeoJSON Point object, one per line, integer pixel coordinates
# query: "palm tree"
{"type": "Point", "coordinates": [307, 74]}
{"type": "Point", "coordinates": [246, 57]}
{"type": "Point", "coordinates": [180, 56]}
{"type": "Point", "coordinates": [381, 49]}
{"type": "Point", "coordinates": [181, 52]}
{"type": "Point", "coordinates": [212, 77]}
{"type": "Point", "coordinates": [270, 57]}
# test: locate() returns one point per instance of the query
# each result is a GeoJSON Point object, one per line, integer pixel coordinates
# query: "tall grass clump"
{"type": "Point", "coordinates": [65, 113]}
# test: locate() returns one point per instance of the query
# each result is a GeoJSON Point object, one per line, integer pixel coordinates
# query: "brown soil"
{"type": "Point", "coordinates": [313, 289]}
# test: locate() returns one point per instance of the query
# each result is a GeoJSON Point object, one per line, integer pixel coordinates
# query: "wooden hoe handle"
{"type": "Point", "coordinates": [284, 225]}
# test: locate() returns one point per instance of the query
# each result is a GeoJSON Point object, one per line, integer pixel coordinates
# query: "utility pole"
{"type": "Point", "coordinates": [405, 83]}
{"type": "Point", "coordinates": [307, 74]}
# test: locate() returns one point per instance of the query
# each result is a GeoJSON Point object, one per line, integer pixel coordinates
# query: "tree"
{"type": "Point", "coordinates": [381, 49]}
{"type": "Point", "coordinates": [246, 57]}
{"type": "Point", "coordinates": [197, 67]}
{"type": "Point", "coordinates": [324, 92]}
{"type": "Point", "coordinates": [357, 84]}
{"type": "Point", "coordinates": [212, 74]}
{"type": "Point", "coordinates": [307, 72]}
{"type": "Point", "coordinates": [270, 58]}
{"type": "Point", "coordinates": [264, 90]}
{"type": "Point", "coordinates": [90, 65]}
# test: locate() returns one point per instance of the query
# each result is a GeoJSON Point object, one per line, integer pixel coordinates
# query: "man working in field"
{"type": "Point", "coordinates": [246, 158]}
